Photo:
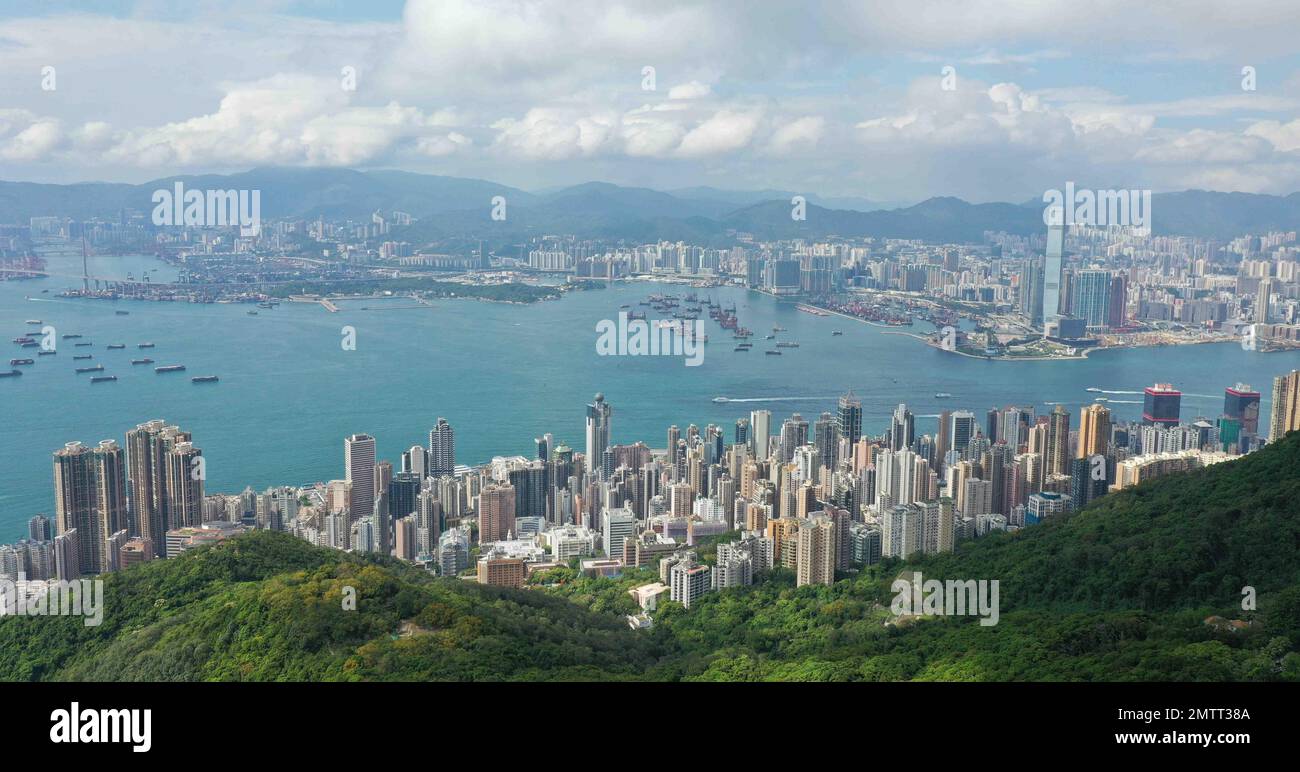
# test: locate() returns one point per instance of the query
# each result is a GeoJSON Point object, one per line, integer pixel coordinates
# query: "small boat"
{"type": "Point", "coordinates": [721, 399]}
{"type": "Point", "coordinates": [145, 361]}
{"type": "Point", "coordinates": [740, 348]}
{"type": "Point", "coordinates": [768, 337]}
{"type": "Point", "coordinates": [116, 346]}
{"type": "Point", "coordinates": [34, 321]}
{"type": "Point", "coordinates": [21, 361]}
{"type": "Point", "coordinates": [1093, 389]}
{"type": "Point", "coordinates": [144, 345]}
{"type": "Point", "coordinates": [11, 373]}
{"type": "Point", "coordinates": [83, 356]}
{"type": "Point", "coordinates": [204, 379]}
{"type": "Point", "coordinates": [252, 313]}
{"type": "Point", "coordinates": [943, 395]}
{"type": "Point", "coordinates": [122, 313]}
{"type": "Point", "coordinates": [778, 329]}
{"type": "Point", "coordinates": [103, 378]}
{"type": "Point", "coordinates": [94, 369]}
{"type": "Point", "coordinates": [169, 369]}
{"type": "Point", "coordinates": [836, 332]}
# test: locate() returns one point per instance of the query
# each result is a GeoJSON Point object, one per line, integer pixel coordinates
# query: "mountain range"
{"type": "Point", "coordinates": [455, 209]}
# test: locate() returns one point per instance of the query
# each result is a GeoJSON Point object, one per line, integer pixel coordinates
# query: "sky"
{"type": "Point", "coordinates": [890, 100]}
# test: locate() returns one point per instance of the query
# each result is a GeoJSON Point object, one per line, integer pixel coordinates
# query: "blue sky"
{"type": "Point", "coordinates": [846, 100]}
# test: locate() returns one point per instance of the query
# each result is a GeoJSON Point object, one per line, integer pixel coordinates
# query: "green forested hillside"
{"type": "Point", "coordinates": [1120, 591]}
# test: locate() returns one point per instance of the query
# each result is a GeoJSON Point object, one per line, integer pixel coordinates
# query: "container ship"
{"type": "Point", "coordinates": [71, 335]}
{"type": "Point", "coordinates": [103, 378]}
{"type": "Point", "coordinates": [10, 374]}
{"type": "Point", "coordinates": [169, 369]}
{"type": "Point", "coordinates": [116, 346]}
{"type": "Point", "coordinates": [145, 361]}
{"type": "Point", "coordinates": [204, 379]}
{"type": "Point", "coordinates": [79, 357]}
{"type": "Point", "coordinates": [94, 369]}
{"type": "Point", "coordinates": [21, 361]}
{"type": "Point", "coordinates": [82, 345]}
{"type": "Point", "coordinates": [46, 353]}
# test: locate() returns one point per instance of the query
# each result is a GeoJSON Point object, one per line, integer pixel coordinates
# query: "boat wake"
{"type": "Point", "coordinates": [769, 399]}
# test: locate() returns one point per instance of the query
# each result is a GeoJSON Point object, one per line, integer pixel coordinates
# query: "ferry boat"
{"type": "Point", "coordinates": [94, 369]}
{"type": "Point", "coordinates": [11, 373]}
{"type": "Point", "coordinates": [169, 369]}
{"type": "Point", "coordinates": [103, 378]}
{"type": "Point", "coordinates": [145, 361]}
{"type": "Point", "coordinates": [204, 379]}
{"type": "Point", "coordinates": [83, 356]}
{"type": "Point", "coordinates": [21, 361]}
{"type": "Point", "coordinates": [116, 346]}
{"type": "Point", "coordinates": [144, 345]}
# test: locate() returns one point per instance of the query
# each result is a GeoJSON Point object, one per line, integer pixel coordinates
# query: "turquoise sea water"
{"type": "Point", "coordinates": [501, 374]}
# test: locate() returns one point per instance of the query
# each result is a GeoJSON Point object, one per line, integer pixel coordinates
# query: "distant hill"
{"type": "Point", "coordinates": [1147, 584]}
{"type": "Point", "coordinates": [458, 209]}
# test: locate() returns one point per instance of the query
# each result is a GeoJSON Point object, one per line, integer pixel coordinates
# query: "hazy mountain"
{"type": "Point", "coordinates": [455, 208]}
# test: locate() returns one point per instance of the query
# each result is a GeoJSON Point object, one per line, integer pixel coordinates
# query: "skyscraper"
{"type": "Point", "coordinates": [90, 498]}
{"type": "Point", "coordinates": [1241, 404]}
{"type": "Point", "coordinates": [1285, 415]}
{"type": "Point", "coordinates": [599, 414]}
{"type": "Point", "coordinates": [850, 417]}
{"type": "Point", "coordinates": [1058, 441]}
{"type": "Point", "coordinates": [359, 468]}
{"type": "Point", "coordinates": [184, 486]}
{"type": "Point", "coordinates": [760, 430]}
{"type": "Point", "coordinates": [902, 429]}
{"type": "Point", "coordinates": [1091, 300]}
{"type": "Point", "coordinates": [1161, 405]}
{"type": "Point", "coordinates": [1094, 431]}
{"type": "Point", "coordinates": [496, 519]}
{"type": "Point", "coordinates": [442, 449]}
{"type": "Point", "coordinates": [1052, 265]}
{"type": "Point", "coordinates": [147, 448]}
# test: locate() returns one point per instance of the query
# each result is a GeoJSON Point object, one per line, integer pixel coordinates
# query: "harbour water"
{"type": "Point", "coordinates": [502, 374]}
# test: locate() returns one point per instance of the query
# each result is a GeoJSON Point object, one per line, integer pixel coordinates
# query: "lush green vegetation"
{"type": "Point", "coordinates": [1120, 591]}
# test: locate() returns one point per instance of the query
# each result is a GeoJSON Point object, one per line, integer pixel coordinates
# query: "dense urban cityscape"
{"type": "Point", "coordinates": [563, 357]}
